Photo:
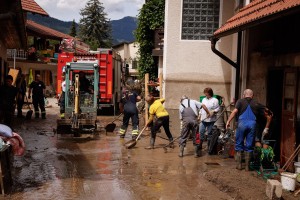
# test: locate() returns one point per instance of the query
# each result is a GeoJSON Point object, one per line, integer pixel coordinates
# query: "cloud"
{"type": "Point", "coordinates": [68, 10]}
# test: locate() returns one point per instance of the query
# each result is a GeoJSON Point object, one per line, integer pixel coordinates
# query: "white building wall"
{"type": "Point", "coordinates": [189, 66]}
{"type": "Point", "coordinates": [128, 53]}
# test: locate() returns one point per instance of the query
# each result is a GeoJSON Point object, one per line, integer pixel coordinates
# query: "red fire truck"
{"type": "Point", "coordinates": [109, 73]}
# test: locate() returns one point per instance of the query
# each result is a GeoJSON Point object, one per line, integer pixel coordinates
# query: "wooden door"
{"type": "Point", "coordinates": [289, 109]}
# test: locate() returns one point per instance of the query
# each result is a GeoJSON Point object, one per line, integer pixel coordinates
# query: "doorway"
{"type": "Point", "coordinates": [283, 100]}
{"type": "Point", "coordinates": [289, 115]}
{"type": "Point", "coordinates": [274, 102]}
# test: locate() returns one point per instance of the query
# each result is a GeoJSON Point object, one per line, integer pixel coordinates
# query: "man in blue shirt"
{"type": "Point", "coordinates": [248, 111]}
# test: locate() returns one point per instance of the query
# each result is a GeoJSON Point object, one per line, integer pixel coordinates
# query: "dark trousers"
{"type": "Point", "coordinates": [161, 121]}
{"type": "Point", "coordinates": [62, 103]}
{"type": "Point", "coordinates": [39, 102]}
{"type": "Point", "coordinates": [20, 103]}
{"type": "Point", "coordinates": [187, 127]}
{"type": "Point", "coordinates": [6, 115]}
{"type": "Point", "coordinates": [134, 119]}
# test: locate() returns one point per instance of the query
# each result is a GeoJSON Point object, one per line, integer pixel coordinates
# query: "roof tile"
{"type": "Point", "coordinates": [32, 6]}
{"type": "Point", "coordinates": [255, 11]}
{"type": "Point", "coordinates": [43, 30]}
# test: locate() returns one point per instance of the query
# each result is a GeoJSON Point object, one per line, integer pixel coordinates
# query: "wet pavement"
{"type": "Point", "coordinates": [100, 167]}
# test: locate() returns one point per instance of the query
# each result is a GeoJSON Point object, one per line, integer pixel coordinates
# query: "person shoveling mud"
{"type": "Point", "coordinates": [128, 107]}
{"type": "Point", "coordinates": [158, 110]}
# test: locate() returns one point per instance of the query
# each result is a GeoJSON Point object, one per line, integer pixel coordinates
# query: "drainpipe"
{"type": "Point", "coordinates": [15, 52]}
{"type": "Point", "coordinates": [231, 62]}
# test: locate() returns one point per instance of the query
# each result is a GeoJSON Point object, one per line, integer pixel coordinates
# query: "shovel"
{"type": "Point", "coordinates": [130, 144]}
{"type": "Point", "coordinates": [165, 146]}
{"type": "Point", "coordinates": [171, 142]}
{"type": "Point", "coordinates": [111, 126]}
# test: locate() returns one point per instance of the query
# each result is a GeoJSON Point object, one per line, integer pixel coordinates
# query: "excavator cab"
{"type": "Point", "coordinates": [81, 99]}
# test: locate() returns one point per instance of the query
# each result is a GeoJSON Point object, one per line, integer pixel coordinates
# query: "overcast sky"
{"type": "Point", "coordinates": [67, 10]}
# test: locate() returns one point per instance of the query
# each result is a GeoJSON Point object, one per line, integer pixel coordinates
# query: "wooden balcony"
{"type": "Point", "coordinates": [158, 42]}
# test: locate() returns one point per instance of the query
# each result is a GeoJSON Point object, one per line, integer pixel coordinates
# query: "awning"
{"type": "Point", "coordinates": [257, 12]}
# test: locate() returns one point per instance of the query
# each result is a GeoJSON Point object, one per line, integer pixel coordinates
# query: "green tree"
{"type": "Point", "coordinates": [150, 17]}
{"type": "Point", "coordinates": [73, 31]}
{"type": "Point", "coordinates": [94, 27]}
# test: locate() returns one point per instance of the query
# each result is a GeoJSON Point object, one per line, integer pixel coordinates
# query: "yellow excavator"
{"type": "Point", "coordinates": [80, 105]}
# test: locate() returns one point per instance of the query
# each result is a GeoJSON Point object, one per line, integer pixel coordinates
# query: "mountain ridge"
{"type": "Point", "coordinates": [122, 29]}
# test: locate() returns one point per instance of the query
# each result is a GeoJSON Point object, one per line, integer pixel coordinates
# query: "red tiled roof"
{"type": "Point", "coordinates": [38, 29]}
{"type": "Point", "coordinates": [32, 6]}
{"type": "Point", "coordinates": [257, 10]}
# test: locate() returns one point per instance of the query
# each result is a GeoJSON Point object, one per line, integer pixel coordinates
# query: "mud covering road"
{"type": "Point", "coordinates": [61, 167]}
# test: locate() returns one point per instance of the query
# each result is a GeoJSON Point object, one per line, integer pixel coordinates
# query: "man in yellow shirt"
{"type": "Point", "coordinates": [158, 110]}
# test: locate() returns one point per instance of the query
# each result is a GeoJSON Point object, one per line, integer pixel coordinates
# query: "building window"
{"type": "Point", "coordinates": [134, 64]}
{"type": "Point", "coordinates": [200, 18]}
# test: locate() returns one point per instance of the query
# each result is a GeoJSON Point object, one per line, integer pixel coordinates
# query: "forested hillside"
{"type": "Point", "coordinates": [122, 29]}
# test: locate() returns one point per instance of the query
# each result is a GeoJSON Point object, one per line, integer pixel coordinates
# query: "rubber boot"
{"type": "Point", "coordinates": [247, 160]}
{"type": "Point", "coordinates": [208, 143]}
{"type": "Point", "coordinates": [43, 115]}
{"type": "Point", "coordinates": [152, 141]}
{"type": "Point", "coordinates": [238, 157]}
{"type": "Point", "coordinates": [197, 151]}
{"type": "Point", "coordinates": [200, 145]}
{"type": "Point", "coordinates": [171, 144]}
{"type": "Point", "coordinates": [122, 132]}
{"type": "Point", "coordinates": [37, 115]}
{"type": "Point", "coordinates": [181, 149]}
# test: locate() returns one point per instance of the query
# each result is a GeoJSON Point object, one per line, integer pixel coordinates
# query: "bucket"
{"type": "Point", "coordinates": [288, 181]}
{"type": "Point", "coordinates": [297, 167]}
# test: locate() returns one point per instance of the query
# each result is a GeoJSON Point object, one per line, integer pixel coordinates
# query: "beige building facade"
{"type": "Point", "coordinates": [128, 53]}
{"type": "Point", "coordinates": [189, 65]}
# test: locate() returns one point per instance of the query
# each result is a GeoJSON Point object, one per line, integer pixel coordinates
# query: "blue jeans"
{"type": "Point", "coordinates": [245, 134]}
{"type": "Point", "coordinates": [202, 129]}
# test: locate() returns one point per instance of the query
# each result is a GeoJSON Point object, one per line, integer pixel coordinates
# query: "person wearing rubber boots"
{"type": "Point", "coordinates": [207, 122]}
{"type": "Point", "coordinates": [37, 87]}
{"type": "Point", "coordinates": [248, 111]}
{"type": "Point", "coordinates": [128, 107]}
{"type": "Point", "coordinates": [162, 119]}
{"type": "Point", "coordinates": [188, 114]}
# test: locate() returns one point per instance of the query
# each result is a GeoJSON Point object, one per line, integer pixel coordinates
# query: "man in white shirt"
{"type": "Point", "coordinates": [207, 122]}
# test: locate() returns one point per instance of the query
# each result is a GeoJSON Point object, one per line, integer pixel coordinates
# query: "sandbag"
{"type": "Point", "coordinates": [5, 131]}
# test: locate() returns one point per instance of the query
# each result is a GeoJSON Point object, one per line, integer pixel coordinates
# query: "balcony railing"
{"type": "Point", "coordinates": [40, 55]}
{"type": "Point", "coordinates": [17, 54]}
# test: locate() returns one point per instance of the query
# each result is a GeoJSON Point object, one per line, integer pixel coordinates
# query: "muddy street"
{"type": "Point", "coordinates": [100, 167]}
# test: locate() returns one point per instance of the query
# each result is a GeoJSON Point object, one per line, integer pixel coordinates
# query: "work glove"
{"type": "Point", "coordinates": [264, 133]}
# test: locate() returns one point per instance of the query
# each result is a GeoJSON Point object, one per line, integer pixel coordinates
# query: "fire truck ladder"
{"type": "Point", "coordinates": [103, 81]}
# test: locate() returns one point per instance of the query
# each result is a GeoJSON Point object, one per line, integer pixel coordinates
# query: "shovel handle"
{"type": "Point", "coordinates": [116, 118]}
{"type": "Point", "coordinates": [171, 142]}
{"type": "Point", "coordinates": [140, 133]}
